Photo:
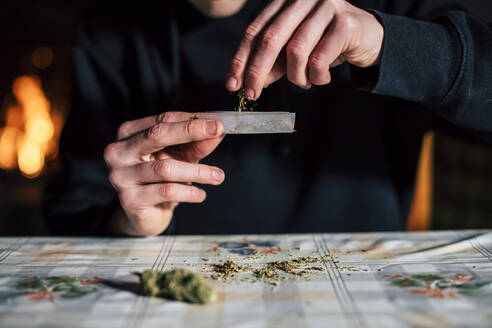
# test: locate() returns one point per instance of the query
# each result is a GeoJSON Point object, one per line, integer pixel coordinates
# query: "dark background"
{"type": "Point", "coordinates": [24, 27]}
{"type": "Point", "coordinates": [462, 170]}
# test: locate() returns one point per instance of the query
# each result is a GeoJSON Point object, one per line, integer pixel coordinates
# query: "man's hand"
{"type": "Point", "coordinates": [303, 39]}
{"type": "Point", "coordinates": [152, 165]}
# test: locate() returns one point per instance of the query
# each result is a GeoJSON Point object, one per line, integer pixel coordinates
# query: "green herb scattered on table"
{"type": "Point", "coordinates": [226, 270]}
{"type": "Point", "coordinates": [268, 272]}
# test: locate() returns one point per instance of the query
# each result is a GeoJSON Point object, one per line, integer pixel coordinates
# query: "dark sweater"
{"type": "Point", "coordinates": [351, 164]}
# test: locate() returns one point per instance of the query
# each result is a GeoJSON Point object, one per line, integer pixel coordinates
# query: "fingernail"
{"type": "Point", "coordinates": [203, 194]}
{"type": "Point", "coordinates": [217, 175]}
{"type": "Point", "coordinates": [211, 128]}
{"type": "Point", "coordinates": [231, 83]}
{"type": "Point", "coordinates": [250, 93]}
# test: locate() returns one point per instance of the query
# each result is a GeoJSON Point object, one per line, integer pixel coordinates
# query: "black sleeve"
{"type": "Point", "coordinates": [81, 196]}
{"type": "Point", "coordinates": [119, 74]}
{"type": "Point", "coordinates": [444, 64]}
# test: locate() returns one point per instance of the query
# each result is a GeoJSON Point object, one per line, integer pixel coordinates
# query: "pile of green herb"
{"type": "Point", "coordinates": [178, 284]}
{"type": "Point", "coordinates": [226, 270]}
{"type": "Point", "coordinates": [297, 267]}
{"type": "Point", "coordinates": [266, 273]}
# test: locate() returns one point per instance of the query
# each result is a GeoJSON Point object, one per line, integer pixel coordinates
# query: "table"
{"type": "Point", "coordinates": [428, 279]}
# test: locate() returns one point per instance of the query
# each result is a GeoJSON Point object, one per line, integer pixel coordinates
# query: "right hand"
{"type": "Point", "coordinates": [152, 165]}
{"type": "Point", "coordinates": [304, 39]}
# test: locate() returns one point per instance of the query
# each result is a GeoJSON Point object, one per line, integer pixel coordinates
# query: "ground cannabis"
{"type": "Point", "coordinates": [253, 269]}
{"type": "Point", "coordinates": [269, 272]}
{"type": "Point", "coordinates": [265, 273]}
{"type": "Point", "coordinates": [226, 270]}
{"type": "Point", "coordinates": [244, 102]}
{"type": "Point", "coordinates": [296, 267]}
{"type": "Point", "coordinates": [178, 284]}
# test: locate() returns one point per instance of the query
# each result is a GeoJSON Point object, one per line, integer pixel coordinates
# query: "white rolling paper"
{"type": "Point", "coordinates": [252, 122]}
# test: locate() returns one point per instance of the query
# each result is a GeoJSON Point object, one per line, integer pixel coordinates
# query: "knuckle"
{"type": "Point", "coordinates": [157, 167]}
{"type": "Point", "coordinates": [253, 74]}
{"type": "Point", "coordinates": [336, 4]}
{"type": "Point", "coordinates": [347, 23]}
{"type": "Point", "coordinates": [296, 50]}
{"type": "Point", "coordinates": [332, 2]}
{"type": "Point", "coordinates": [199, 172]}
{"type": "Point", "coordinates": [270, 39]}
{"type": "Point", "coordinates": [190, 128]}
{"type": "Point", "coordinates": [251, 32]}
{"type": "Point", "coordinates": [123, 130]}
{"type": "Point", "coordinates": [167, 191]}
{"type": "Point", "coordinates": [164, 168]}
{"type": "Point", "coordinates": [154, 132]}
{"type": "Point", "coordinates": [109, 152]}
{"type": "Point", "coordinates": [237, 64]}
{"type": "Point", "coordinates": [316, 61]}
{"type": "Point", "coordinates": [163, 117]}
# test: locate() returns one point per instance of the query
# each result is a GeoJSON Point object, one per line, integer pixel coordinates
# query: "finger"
{"type": "Point", "coordinates": [195, 151]}
{"type": "Point", "coordinates": [154, 194]}
{"type": "Point", "coordinates": [131, 127]}
{"type": "Point", "coordinates": [239, 61]}
{"type": "Point", "coordinates": [304, 41]}
{"type": "Point", "coordinates": [325, 53]}
{"type": "Point", "coordinates": [140, 147]}
{"type": "Point", "coordinates": [168, 170]}
{"type": "Point", "coordinates": [339, 61]}
{"type": "Point", "coordinates": [270, 43]}
{"type": "Point", "coordinates": [278, 70]}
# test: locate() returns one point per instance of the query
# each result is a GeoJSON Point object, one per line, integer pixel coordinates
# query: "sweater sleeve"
{"type": "Point", "coordinates": [78, 200]}
{"type": "Point", "coordinates": [116, 78]}
{"type": "Point", "coordinates": [444, 64]}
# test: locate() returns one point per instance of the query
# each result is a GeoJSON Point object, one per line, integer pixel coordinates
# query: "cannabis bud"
{"type": "Point", "coordinates": [178, 284]}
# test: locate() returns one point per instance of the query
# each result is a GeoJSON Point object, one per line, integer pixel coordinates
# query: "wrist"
{"type": "Point", "coordinates": [118, 224]}
{"type": "Point", "coordinates": [374, 36]}
{"type": "Point", "coordinates": [380, 39]}
{"type": "Point", "coordinates": [365, 39]}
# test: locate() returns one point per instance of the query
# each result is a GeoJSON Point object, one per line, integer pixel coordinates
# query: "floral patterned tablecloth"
{"type": "Point", "coordinates": [428, 279]}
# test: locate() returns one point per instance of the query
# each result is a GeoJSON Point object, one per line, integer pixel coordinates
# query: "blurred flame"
{"type": "Point", "coordinates": [32, 129]}
{"type": "Point", "coordinates": [30, 158]}
{"type": "Point", "coordinates": [9, 137]}
{"type": "Point", "coordinates": [15, 117]}
{"type": "Point", "coordinates": [27, 88]}
{"type": "Point", "coordinates": [39, 129]}
{"type": "Point", "coordinates": [57, 119]}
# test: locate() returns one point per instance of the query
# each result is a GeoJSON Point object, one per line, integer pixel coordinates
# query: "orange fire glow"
{"type": "Point", "coordinates": [8, 147]}
{"type": "Point", "coordinates": [30, 158]}
{"type": "Point", "coordinates": [32, 129]}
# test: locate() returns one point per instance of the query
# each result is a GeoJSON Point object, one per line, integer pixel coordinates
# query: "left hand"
{"type": "Point", "coordinates": [152, 165]}
{"type": "Point", "coordinates": [316, 35]}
